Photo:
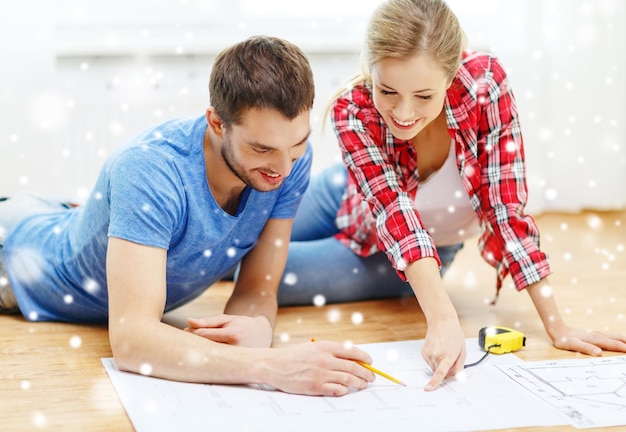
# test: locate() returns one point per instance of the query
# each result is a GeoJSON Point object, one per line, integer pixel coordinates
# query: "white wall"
{"type": "Point", "coordinates": [79, 78]}
{"type": "Point", "coordinates": [567, 62]}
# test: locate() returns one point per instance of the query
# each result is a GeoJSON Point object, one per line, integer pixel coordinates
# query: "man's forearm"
{"type": "Point", "coordinates": [147, 349]}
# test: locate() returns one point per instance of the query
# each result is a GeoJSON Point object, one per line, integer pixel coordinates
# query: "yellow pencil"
{"type": "Point", "coordinates": [376, 371]}
{"type": "Point", "coordinates": [381, 373]}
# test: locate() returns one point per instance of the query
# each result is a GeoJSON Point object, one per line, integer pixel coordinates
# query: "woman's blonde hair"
{"type": "Point", "coordinates": [405, 28]}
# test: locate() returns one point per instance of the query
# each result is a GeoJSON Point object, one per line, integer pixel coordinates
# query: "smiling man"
{"type": "Point", "coordinates": [170, 214]}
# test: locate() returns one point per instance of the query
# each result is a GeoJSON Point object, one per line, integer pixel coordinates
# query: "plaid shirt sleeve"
{"type": "Point", "coordinates": [510, 240]}
{"type": "Point", "coordinates": [378, 211]}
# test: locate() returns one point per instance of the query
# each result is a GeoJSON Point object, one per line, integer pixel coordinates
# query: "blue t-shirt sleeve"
{"type": "Point", "coordinates": [294, 187]}
{"type": "Point", "coordinates": [146, 197]}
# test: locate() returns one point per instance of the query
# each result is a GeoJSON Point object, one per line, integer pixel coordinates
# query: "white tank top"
{"type": "Point", "coordinates": [444, 206]}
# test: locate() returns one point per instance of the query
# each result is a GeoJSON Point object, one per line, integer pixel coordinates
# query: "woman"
{"type": "Point", "coordinates": [431, 140]}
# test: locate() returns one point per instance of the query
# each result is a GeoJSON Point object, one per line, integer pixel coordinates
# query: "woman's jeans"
{"type": "Point", "coordinates": [320, 269]}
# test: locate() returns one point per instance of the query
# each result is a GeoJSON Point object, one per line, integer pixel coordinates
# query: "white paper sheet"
{"type": "Point", "coordinates": [482, 398]}
{"type": "Point", "coordinates": [589, 392]}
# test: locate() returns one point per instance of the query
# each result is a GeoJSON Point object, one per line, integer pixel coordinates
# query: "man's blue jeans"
{"type": "Point", "coordinates": [318, 265]}
{"type": "Point", "coordinates": [12, 211]}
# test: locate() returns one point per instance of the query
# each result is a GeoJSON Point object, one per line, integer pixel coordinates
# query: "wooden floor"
{"type": "Point", "coordinates": [51, 377]}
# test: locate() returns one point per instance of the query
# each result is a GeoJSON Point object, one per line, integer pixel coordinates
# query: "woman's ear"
{"type": "Point", "coordinates": [215, 122]}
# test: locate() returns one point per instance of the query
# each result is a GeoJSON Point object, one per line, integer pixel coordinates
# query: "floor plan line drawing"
{"type": "Point", "coordinates": [158, 405]}
{"type": "Point", "coordinates": [590, 392]}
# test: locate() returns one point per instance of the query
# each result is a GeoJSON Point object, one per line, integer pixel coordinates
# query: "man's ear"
{"type": "Point", "coordinates": [215, 122]}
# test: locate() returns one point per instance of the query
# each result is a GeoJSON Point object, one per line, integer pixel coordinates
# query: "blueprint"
{"type": "Point", "coordinates": [589, 392]}
{"type": "Point", "coordinates": [480, 398]}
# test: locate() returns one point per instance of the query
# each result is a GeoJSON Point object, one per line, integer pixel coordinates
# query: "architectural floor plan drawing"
{"type": "Point", "coordinates": [481, 399]}
{"type": "Point", "coordinates": [590, 392]}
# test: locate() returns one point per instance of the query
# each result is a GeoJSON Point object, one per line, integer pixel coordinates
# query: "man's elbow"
{"type": "Point", "coordinates": [124, 351]}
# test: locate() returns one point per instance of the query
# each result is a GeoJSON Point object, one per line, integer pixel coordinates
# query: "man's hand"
{"type": "Point", "coordinates": [320, 369]}
{"type": "Point", "coordinates": [252, 332]}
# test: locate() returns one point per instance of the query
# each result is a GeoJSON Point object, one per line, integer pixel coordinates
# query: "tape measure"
{"type": "Point", "coordinates": [500, 340]}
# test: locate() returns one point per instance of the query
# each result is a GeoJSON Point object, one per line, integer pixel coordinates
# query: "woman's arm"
{"type": "Point", "coordinates": [444, 345]}
{"type": "Point", "coordinates": [385, 173]}
{"type": "Point", "coordinates": [515, 236]}
{"type": "Point", "coordinates": [510, 241]}
{"type": "Point", "coordinates": [375, 164]}
{"type": "Point", "coordinates": [565, 337]}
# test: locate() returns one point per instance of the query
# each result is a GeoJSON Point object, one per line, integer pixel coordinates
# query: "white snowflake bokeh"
{"type": "Point", "coordinates": [86, 104]}
{"type": "Point", "coordinates": [71, 107]}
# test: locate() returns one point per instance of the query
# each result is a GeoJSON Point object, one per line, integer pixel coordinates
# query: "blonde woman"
{"type": "Point", "coordinates": [433, 148]}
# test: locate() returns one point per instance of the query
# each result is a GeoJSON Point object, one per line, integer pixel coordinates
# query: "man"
{"type": "Point", "coordinates": [170, 214]}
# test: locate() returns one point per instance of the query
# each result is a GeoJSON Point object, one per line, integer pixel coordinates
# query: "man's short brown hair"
{"type": "Point", "coordinates": [261, 72]}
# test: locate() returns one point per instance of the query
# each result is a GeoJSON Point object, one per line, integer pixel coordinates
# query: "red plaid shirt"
{"type": "Point", "coordinates": [378, 210]}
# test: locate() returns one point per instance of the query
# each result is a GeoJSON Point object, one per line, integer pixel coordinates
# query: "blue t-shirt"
{"type": "Point", "coordinates": [153, 192]}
